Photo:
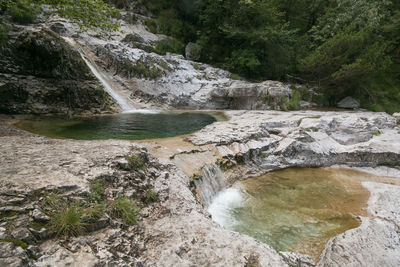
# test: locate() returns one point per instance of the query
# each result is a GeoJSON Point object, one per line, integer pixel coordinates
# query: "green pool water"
{"type": "Point", "coordinates": [135, 126]}
{"type": "Point", "coordinates": [293, 209]}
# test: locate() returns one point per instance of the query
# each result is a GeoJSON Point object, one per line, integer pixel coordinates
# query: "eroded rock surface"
{"type": "Point", "coordinates": [175, 231]}
{"type": "Point", "coordinates": [267, 140]}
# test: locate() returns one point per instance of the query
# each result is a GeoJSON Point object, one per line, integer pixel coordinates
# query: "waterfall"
{"type": "Point", "coordinates": [125, 105]}
{"type": "Point", "coordinates": [210, 183]}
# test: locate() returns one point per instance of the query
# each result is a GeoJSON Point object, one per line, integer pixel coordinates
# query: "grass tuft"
{"type": "Point", "coordinates": [97, 192]}
{"type": "Point", "coordinates": [68, 220]}
{"type": "Point", "coordinates": [151, 196]}
{"type": "Point", "coordinates": [125, 209]}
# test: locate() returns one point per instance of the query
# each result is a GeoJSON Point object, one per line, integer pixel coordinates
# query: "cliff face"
{"type": "Point", "coordinates": [41, 73]}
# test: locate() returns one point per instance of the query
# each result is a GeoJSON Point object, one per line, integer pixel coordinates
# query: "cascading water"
{"type": "Point", "coordinates": [210, 184]}
{"type": "Point", "coordinates": [125, 106]}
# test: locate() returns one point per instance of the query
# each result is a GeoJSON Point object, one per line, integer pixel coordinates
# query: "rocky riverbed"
{"type": "Point", "coordinates": [175, 230]}
{"type": "Point", "coordinates": [171, 180]}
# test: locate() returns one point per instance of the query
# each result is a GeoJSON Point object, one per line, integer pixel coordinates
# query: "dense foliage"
{"type": "Point", "coordinates": [86, 13]}
{"type": "Point", "coordinates": [341, 47]}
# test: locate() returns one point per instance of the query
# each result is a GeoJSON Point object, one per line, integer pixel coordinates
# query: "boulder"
{"type": "Point", "coordinates": [39, 216]}
{"type": "Point", "coordinates": [349, 103]}
{"type": "Point", "coordinates": [59, 28]}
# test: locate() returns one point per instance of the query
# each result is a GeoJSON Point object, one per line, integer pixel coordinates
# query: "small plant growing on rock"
{"type": "Point", "coordinates": [68, 220]}
{"type": "Point", "coordinates": [151, 24]}
{"type": "Point", "coordinates": [16, 242]}
{"type": "Point", "coordinates": [125, 209]}
{"type": "Point", "coordinates": [224, 164]}
{"type": "Point", "coordinates": [137, 161]}
{"type": "Point", "coordinates": [235, 76]}
{"type": "Point", "coordinates": [150, 196]}
{"type": "Point", "coordinates": [376, 133]}
{"type": "Point", "coordinates": [96, 192]}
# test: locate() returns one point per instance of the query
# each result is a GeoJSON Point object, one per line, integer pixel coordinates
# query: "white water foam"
{"type": "Point", "coordinates": [125, 106]}
{"type": "Point", "coordinates": [223, 204]}
{"type": "Point", "coordinates": [142, 111]}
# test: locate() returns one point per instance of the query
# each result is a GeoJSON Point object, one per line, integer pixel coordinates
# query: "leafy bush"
{"type": "Point", "coordinates": [125, 209]}
{"type": "Point", "coordinates": [136, 161]}
{"type": "Point", "coordinates": [3, 34]}
{"type": "Point", "coordinates": [142, 69]}
{"type": "Point", "coordinates": [87, 13]}
{"type": "Point", "coordinates": [119, 3]}
{"type": "Point", "coordinates": [22, 12]}
{"type": "Point", "coordinates": [294, 101]}
{"type": "Point", "coordinates": [245, 61]}
{"type": "Point", "coordinates": [171, 46]}
{"type": "Point", "coordinates": [96, 192]}
{"type": "Point", "coordinates": [151, 25]}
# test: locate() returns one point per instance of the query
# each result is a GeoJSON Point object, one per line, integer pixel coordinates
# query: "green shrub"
{"type": "Point", "coordinates": [143, 69]}
{"type": "Point", "coordinates": [164, 65]}
{"type": "Point", "coordinates": [294, 101]}
{"type": "Point", "coordinates": [299, 122]}
{"type": "Point", "coordinates": [68, 220]}
{"type": "Point", "coordinates": [224, 164]}
{"type": "Point", "coordinates": [119, 3]}
{"type": "Point", "coordinates": [235, 76]}
{"type": "Point", "coordinates": [125, 209]}
{"type": "Point", "coordinates": [376, 133]}
{"type": "Point", "coordinates": [284, 104]}
{"type": "Point", "coordinates": [155, 73]}
{"type": "Point", "coordinates": [22, 12]}
{"type": "Point", "coordinates": [52, 201]}
{"type": "Point", "coordinates": [3, 34]}
{"type": "Point", "coordinates": [93, 213]}
{"type": "Point", "coordinates": [96, 192]}
{"type": "Point", "coordinates": [136, 161]}
{"type": "Point", "coordinates": [171, 46]}
{"type": "Point", "coordinates": [151, 25]}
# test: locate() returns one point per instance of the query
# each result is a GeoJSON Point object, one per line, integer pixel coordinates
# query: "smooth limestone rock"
{"type": "Point", "coordinates": [173, 232]}
{"type": "Point", "coordinates": [376, 242]}
{"type": "Point", "coordinates": [397, 116]}
{"type": "Point", "coordinates": [349, 103]}
{"type": "Point", "coordinates": [264, 141]}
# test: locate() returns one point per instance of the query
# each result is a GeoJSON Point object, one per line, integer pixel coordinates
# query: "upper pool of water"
{"type": "Point", "coordinates": [135, 126]}
{"type": "Point", "coordinates": [293, 209]}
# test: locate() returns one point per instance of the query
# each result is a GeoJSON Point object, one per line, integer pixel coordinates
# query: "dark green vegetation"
{"type": "Point", "coordinates": [87, 13]}
{"type": "Point", "coordinates": [340, 47]}
{"type": "Point", "coordinates": [123, 126]}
